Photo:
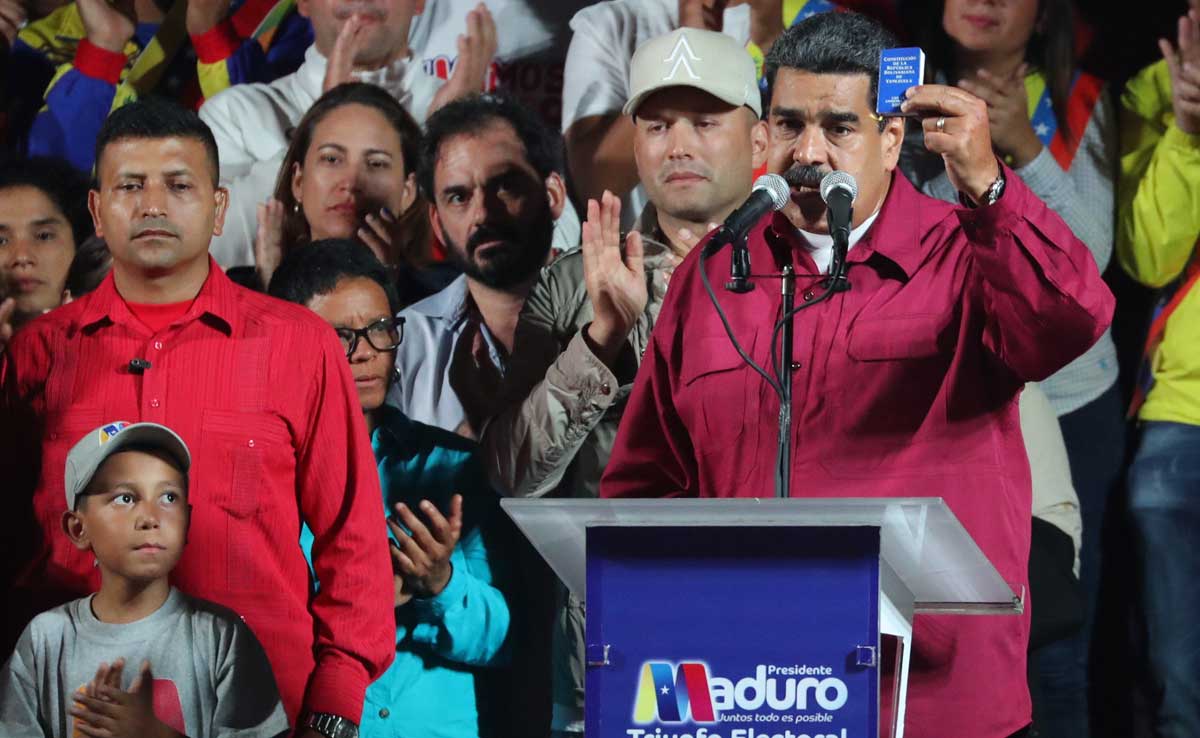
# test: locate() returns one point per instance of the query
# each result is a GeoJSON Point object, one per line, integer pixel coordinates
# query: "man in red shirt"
{"type": "Point", "coordinates": [907, 383]}
{"type": "Point", "coordinates": [258, 388]}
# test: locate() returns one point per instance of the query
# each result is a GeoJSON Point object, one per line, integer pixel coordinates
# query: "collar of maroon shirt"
{"type": "Point", "coordinates": [898, 218]}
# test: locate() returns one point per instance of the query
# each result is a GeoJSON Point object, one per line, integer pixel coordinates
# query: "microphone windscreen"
{"type": "Point", "coordinates": [836, 179]}
{"type": "Point", "coordinates": [776, 186]}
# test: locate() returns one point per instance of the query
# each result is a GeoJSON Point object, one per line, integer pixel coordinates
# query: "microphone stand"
{"type": "Point", "coordinates": [783, 463]}
{"type": "Point", "coordinates": [836, 282]}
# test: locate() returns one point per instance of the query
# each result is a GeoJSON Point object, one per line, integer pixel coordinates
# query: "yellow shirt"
{"type": "Point", "coordinates": [1157, 228]}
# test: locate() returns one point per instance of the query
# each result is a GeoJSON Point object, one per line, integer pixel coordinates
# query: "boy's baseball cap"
{"type": "Point", "coordinates": [91, 451]}
{"type": "Point", "coordinates": [691, 57]}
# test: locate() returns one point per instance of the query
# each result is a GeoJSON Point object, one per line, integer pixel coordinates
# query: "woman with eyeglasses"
{"type": "Point", "coordinates": [443, 528]}
{"type": "Point", "coordinates": [350, 172]}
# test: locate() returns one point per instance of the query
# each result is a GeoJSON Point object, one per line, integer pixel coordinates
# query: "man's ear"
{"type": "Point", "coordinates": [94, 209]}
{"type": "Point", "coordinates": [760, 142]}
{"type": "Point", "coordinates": [891, 140]}
{"type": "Point", "coordinates": [556, 192]}
{"type": "Point", "coordinates": [221, 197]}
{"type": "Point", "coordinates": [76, 530]}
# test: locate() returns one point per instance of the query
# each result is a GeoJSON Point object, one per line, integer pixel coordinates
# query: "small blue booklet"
{"type": "Point", "coordinates": [899, 69]}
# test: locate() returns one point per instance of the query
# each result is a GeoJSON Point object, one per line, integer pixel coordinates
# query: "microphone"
{"type": "Point", "coordinates": [138, 366]}
{"type": "Point", "coordinates": [838, 190]}
{"type": "Point", "coordinates": [770, 192]}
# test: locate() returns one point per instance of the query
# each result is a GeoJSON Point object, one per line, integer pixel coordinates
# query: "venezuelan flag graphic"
{"type": "Point", "coordinates": [668, 694]}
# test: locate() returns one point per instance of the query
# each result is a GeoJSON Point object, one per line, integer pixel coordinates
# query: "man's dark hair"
{"type": "Point", "coordinates": [156, 118]}
{"type": "Point", "coordinates": [470, 115]}
{"type": "Point", "coordinates": [831, 43]}
{"type": "Point", "coordinates": [62, 184]}
{"type": "Point", "coordinates": [316, 268]}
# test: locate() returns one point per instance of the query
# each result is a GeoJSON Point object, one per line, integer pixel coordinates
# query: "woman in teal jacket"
{"type": "Point", "coordinates": [451, 617]}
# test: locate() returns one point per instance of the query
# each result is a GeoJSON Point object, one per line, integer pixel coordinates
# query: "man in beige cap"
{"type": "Point", "coordinates": [695, 107]}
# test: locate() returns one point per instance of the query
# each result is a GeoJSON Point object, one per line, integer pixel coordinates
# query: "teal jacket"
{"type": "Point", "coordinates": [429, 690]}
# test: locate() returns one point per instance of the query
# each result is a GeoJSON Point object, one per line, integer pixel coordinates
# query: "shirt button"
{"type": "Point", "coordinates": [795, 365]}
{"type": "Point", "coordinates": [53, 436]}
{"type": "Point", "coordinates": [808, 296]}
{"type": "Point", "coordinates": [158, 345]}
{"type": "Point", "coordinates": [605, 389]}
{"type": "Point", "coordinates": [250, 443]}
{"type": "Point", "coordinates": [383, 713]}
{"type": "Point", "coordinates": [154, 402]}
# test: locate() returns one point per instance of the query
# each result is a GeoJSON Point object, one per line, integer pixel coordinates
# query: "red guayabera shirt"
{"type": "Point", "coordinates": [906, 385]}
{"type": "Point", "coordinates": [261, 392]}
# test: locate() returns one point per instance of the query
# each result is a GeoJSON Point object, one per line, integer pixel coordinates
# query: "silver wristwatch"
{"type": "Point", "coordinates": [994, 191]}
{"type": "Point", "coordinates": [331, 726]}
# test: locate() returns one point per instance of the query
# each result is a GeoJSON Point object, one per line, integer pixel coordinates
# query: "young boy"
{"type": "Point", "coordinates": [199, 670]}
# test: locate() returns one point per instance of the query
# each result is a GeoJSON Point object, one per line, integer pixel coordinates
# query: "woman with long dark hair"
{"type": "Point", "coordinates": [1054, 125]}
{"type": "Point", "coordinates": [349, 172]}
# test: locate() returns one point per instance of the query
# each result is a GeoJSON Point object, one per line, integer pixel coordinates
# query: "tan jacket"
{"type": "Point", "coordinates": [562, 404]}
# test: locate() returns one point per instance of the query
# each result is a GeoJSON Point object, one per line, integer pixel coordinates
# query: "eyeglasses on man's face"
{"type": "Point", "coordinates": [384, 334]}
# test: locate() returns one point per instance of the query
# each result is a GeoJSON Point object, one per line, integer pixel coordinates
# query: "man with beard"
{"type": "Point", "coordinates": [905, 383]}
{"type": "Point", "coordinates": [492, 172]}
{"type": "Point", "coordinates": [697, 142]}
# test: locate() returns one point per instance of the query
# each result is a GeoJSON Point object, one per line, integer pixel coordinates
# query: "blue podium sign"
{"type": "Point", "coordinates": [732, 632]}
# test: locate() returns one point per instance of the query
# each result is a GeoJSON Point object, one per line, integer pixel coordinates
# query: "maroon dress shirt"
{"type": "Point", "coordinates": [906, 385]}
{"type": "Point", "coordinates": [261, 392]}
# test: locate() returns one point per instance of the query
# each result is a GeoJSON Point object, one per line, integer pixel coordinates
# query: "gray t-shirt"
{"type": "Point", "coordinates": [211, 676]}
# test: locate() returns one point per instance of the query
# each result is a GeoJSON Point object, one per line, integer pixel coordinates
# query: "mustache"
{"type": "Point", "coordinates": [805, 175]}
{"type": "Point", "coordinates": [485, 233]}
{"type": "Point", "coordinates": [156, 224]}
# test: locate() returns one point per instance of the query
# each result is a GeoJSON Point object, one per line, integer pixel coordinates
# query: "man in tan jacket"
{"type": "Point", "coordinates": [695, 104]}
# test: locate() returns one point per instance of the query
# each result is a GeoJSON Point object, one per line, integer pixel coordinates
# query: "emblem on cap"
{"type": "Point", "coordinates": [677, 55]}
{"type": "Point", "coordinates": [112, 429]}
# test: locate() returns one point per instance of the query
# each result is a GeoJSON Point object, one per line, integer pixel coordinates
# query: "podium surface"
{"type": "Point", "coordinates": [757, 618]}
{"type": "Point", "coordinates": [920, 538]}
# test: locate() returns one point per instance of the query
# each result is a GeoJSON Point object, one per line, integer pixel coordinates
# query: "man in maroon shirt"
{"type": "Point", "coordinates": [907, 383]}
{"type": "Point", "coordinates": [258, 388]}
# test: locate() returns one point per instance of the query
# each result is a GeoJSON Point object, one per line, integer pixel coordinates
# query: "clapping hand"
{"type": "Point", "coordinates": [339, 68]}
{"type": "Point", "coordinates": [7, 308]}
{"type": "Point", "coordinates": [1008, 114]}
{"type": "Point", "coordinates": [422, 557]}
{"type": "Point", "coordinates": [1183, 63]}
{"type": "Point", "coordinates": [476, 49]}
{"type": "Point", "coordinates": [12, 17]}
{"type": "Point", "coordinates": [268, 241]}
{"type": "Point", "coordinates": [616, 282]}
{"type": "Point", "coordinates": [708, 15]}
{"type": "Point", "coordinates": [104, 710]}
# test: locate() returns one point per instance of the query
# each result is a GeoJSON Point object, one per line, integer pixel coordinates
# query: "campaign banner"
{"type": "Point", "coordinates": [732, 632]}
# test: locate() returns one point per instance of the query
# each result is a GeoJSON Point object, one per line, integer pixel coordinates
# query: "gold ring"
{"type": "Point", "coordinates": [940, 125]}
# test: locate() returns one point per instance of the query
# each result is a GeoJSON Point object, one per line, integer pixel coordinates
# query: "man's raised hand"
{"type": "Point", "coordinates": [1183, 63]}
{"type": "Point", "coordinates": [955, 123]}
{"type": "Point", "coordinates": [476, 49]}
{"type": "Point", "coordinates": [616, 282]}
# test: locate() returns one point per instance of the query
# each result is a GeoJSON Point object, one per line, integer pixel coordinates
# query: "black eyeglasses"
{"type": "Point", "coordinates": [384, 334]}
